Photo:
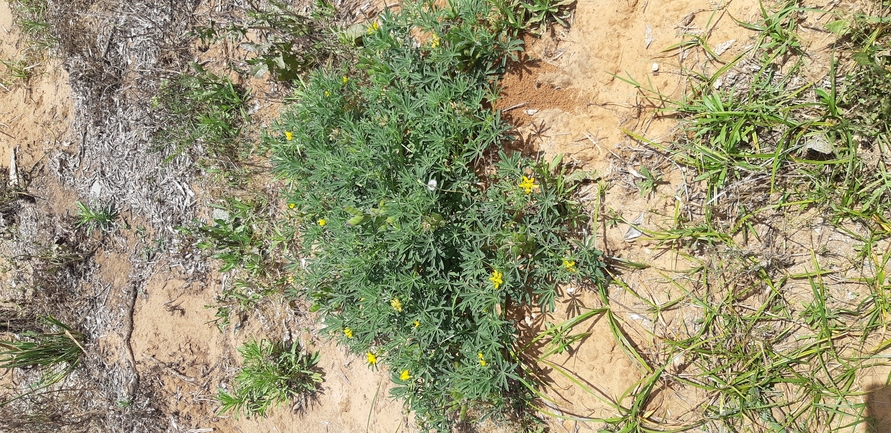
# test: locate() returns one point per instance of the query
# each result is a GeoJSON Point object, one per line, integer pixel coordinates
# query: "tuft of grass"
{"type": "Point", "coordinates": [754, 375]}
{"type": "Point", "coordinates": [774, 135]}
{"type": "Point", "coordinates": [95, 218]}
{"type": "Point", "coordinates": [57, 353]}
{"type": "Point", "coordinates": [22, 70]}
{"type": "Point", "coordinates": [31, 17]}
{"type": "Point", "coordinates": [272, 374]}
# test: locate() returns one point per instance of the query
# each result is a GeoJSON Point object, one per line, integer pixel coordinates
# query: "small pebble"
{"type": "Point", "coordinates": [655, 67]}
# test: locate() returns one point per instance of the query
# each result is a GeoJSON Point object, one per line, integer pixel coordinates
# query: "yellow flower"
{"type": "Point", "coordinates": [289, 135]}
{"type": "Point", "coordinates": [404, 375]}
{"type": "Point", "coordinates": [371, 358]}
{"type": "Point", "coordinates": [396, 304]}
{"type": "Point", "coordinates": [528, 184]}
{"type": "Point", "coordinates": [569, 265]}
{"type": "Point", "coordinates": [348, 332]}
{"type": "Point", "coordinates": [292, 205]}
{"type": "Point", "coordinates": [327, 93]}
{"type": "Point", "coordinates": [417, 323]}
{"type": "Point", "coordinates": [434, 42]}
{"type": "Point", "coordinates": [496, 279]}
{"type": "Point", "coordinates": [372, 28]}
{"type": "Point", "coordinates": [482, 359]}
{"type": "Point", "coordinates": [322, 222]}
{"type": "Point", "coordinates": [345, 79]}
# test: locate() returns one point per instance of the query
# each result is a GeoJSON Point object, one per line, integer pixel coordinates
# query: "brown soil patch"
{"type": "Point", "coordinates": [520, 102]}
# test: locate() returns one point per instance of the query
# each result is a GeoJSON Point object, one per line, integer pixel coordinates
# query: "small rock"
{"type": "Point", "coordinates": [633, 233]}
{"type": "Point", "coordinates": [648, 37]}
{"type": "Point", "coordinates": [724, 46]}
{"type": "Point", "coordinates": [13, 170]}
{"type": "Point", "coordinates": [219, 214]}
{"type": "Point", "coordinates": [819, 143]}
{"type": "Point", "coordinates": [96, 189]}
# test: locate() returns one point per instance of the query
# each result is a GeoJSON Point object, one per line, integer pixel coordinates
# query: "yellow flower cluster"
{"type": "Point", "coordinates": [345, 79]}
{"type": "Point", "coordinates": [417, 323]}
{"type": "Point", "coordinates": [396, 304]}
{"type": "Point", "coordinates": [569, 265]}
{"type": "Point", "coordinates": [371, 358]}
{"type": "Point", "coordinates": [482, 359]}
{"type": "Point", "coordinates": [289, 135]}
{"type": "Point", "coordinates": [496, 279]}
{"type": "Point", "coordinates": [348, 332]}
{"type": "Point", "coordinates": [528, 184]}
{"type": "Point", "coordinates": [322, 222]}
{"type": "Point", "coordinates": [404, 375]}
{"type": "Point", "coordinates": [373, 28]}
{"type": "Point", "coordinates": [434, 41]}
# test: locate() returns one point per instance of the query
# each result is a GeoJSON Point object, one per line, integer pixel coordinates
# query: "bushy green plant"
{"type": "Point", "coordinates": [272, 373]}
{"type": "Point", "coordinates": [419, 235]}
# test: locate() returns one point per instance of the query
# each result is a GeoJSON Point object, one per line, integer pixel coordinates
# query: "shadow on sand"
{"type": "Point", "coordinates": [878, 408]}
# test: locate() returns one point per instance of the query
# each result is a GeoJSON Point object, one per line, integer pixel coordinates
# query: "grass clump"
{"type": "Point", "coordinates": [31, 17]}
{"type": "Point", "coordinates": [273, 373]}
{"type": "Point", "coordinates": [419, 238]}
{"type": "Point", "coordinates": [768, 147]}
{"type": "Point", "coordinates": [760, 367]}
{"type": "Point", "coordinates": [204, 113]}
{"type": "Point", "coordinates": [57, 352]}
{"type": "Point", "coordinates": [769, 133]}
{"type": "Point", "coordinates": [95, 218]}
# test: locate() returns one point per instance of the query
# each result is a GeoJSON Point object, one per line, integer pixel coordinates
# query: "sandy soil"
{"type": "Point", "coordinates": [567, 100]}
{"type": "Point", "coordinates": [571, 101]}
